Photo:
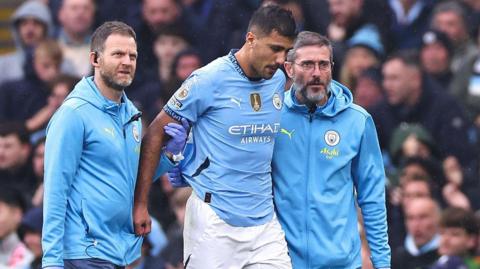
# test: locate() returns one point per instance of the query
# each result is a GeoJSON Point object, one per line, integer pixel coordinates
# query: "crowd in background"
{"type": "Point", "coordinates": [413, 64]}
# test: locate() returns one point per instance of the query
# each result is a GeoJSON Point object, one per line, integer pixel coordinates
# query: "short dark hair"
{"type": "Point", "coordinates": [12, 197]}
{"type": "Point", "coordinates": [456, 217]}
{"type": "Point", "coordinates": [15, 128]}
{"type": "Point", "coordinates": [273, 18]}
{"type": "Point", "coordinates": [409, 57]}
{"type": "Point", "coordinates": [307, 38]}
{"type": "Point", "coordinates": [66, 79]}
{"type": "Point", "coordinates": [105, 30]}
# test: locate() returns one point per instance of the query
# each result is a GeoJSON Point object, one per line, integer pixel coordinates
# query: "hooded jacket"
{"type": "Point", "coordinates": [14, 62]}
{"type": "Point", "coordinates": [91, 162]}
{"type": "Point", "coordinates": [324, 163]}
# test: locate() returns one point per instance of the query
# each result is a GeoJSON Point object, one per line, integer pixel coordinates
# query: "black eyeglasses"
{"type": "Point", "coordinates": [309, 66]}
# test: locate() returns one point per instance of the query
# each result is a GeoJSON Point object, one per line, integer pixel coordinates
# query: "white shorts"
{"type": "Point", "coordinates": [209, 242]}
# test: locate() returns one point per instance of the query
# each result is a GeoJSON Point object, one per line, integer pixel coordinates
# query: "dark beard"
{"type": "Point", "coordinates": [112, 84]}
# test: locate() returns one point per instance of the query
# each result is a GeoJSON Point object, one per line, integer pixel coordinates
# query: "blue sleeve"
{"type": "Point", "coordinates": [369, 177]}
{"type": "Point", "coordinates": [164, 165]}
{"type": "Point", "coordinates": [191, 100]}
{"type": "Point", "coordinates": [63, 149]}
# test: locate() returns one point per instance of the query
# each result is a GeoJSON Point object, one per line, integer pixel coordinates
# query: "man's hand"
{"type": "Point", "coordinates": [175, 178]}
{"type": "Point", "coordinates": [178, 134]}
{"type": "Point", "coordinates": [141, 220]}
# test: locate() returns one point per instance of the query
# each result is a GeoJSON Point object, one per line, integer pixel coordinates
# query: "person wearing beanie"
{"type": "Point", "coordinates": [436, 53]}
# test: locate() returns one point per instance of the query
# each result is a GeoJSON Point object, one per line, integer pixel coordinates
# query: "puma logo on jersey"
{"type": "Point", "coordinates": [109, 131]}
{"type": "Point", "coordinates": [236, 101]}
{"type": "Point", "coordinates": [284, 131]}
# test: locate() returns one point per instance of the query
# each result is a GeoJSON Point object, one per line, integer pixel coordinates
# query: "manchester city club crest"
{"type": "Point", "coordinates": [332, 138]}
{"type": "Point", "coordinates": [136, 133]}
{"type": "Point", "coordinates": [277, 102]}
{"type": "Point", "coordinates": [255, 101]}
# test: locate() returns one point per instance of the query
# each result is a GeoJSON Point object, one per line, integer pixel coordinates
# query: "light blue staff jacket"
{"type": "Point", "coordinates": [91, 161]}
{"type": "Point", "coordinates": [324, 162]}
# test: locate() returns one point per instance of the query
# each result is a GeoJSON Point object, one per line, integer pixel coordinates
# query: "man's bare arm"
{"type": "Point", "coordinates": [149, 157]}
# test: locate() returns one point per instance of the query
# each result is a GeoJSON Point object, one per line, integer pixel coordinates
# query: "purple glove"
{"type": "Point", "coordinates": [178, 134]}
{"type": "Point", "coordinates": [175, 178]}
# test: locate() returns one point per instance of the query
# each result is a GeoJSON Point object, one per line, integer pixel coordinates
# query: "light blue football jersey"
{"type": "Point", "coordinates": [234, 125]}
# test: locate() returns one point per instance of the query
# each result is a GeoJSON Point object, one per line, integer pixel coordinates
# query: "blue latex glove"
{"type": "Point", "coordinates": [178, 134]}
{"type": "Point", "coordinates": [176, 179]}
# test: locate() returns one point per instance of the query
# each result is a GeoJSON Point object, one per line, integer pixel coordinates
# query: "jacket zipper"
{"type": "Point", "coordinates": [311, 112]}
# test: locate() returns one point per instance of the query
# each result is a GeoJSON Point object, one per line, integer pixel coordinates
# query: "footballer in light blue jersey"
{"type": "Point", "coordinates": [235, 120]}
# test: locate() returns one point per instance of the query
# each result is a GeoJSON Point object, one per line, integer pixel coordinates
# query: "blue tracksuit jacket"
{"type": "Point", "coordinates": [91, 161]}
{"type": "Point", "coordinates": [324, 163]}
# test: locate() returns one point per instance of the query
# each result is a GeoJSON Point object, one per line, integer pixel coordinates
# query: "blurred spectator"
{"type": "Point", "coordinates": [173, 253]}
{"type": "Point", "coordinates": [368, 89]}
{"type": "Point", "coordinates": [229, 18]}
{"type": "Point", "coordinates": [451, 18]}
{"type": "Point", "coordinates": [60, 88]}
{"type": "Point", "coordinates": [458, 239]}
{"type": "Point", "coordinates": [294, 6]}
{"type": "Point", "coordinates": [31, 23]}
{"type": "Point", "coordinates": [37, 164]}
{"type": "Point", "coordinates": [166, 46]}
{"type": "Point", "coordinates": [156, 15]}
{"type": "Point", "coordinates": [436, 54]}
{"type": "Point", "coordinates": [413, 97]}
{"type": "Point", "coordinates": [349, 17]}
{"type": "Point", "coordinates": [15, 167]}
{"type": "Point", "coordinates": [466, 86]}
{"type": "Point", "coordinates": [409, 21]}
{"type": "Point", "coordinates": [417, 178]}
{"type": "Point", "coordinates": [422, 217]}
{"type": "Point", "coordinates": [21, 99]}
{"type": "Point", "coordinates": [365, 50]}
{"type": "Point", "coordinates": [184, 63]}
{"type": "Point", "coordinates": [13, 253]}
{"type": "Point", "coordinates": [76, 19]}
{"type": "Point", "coordinates": [30, 232]}
{"type": "Point", "coordinates": [155, 90]}
{"type": "Point", "coordinates": [317, 16]}
{"type": "Point", "coordinates": [411, 140]}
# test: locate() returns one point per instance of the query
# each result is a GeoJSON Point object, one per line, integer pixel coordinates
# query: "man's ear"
{"type": "Point", "coordinates": [289, 68]}
{"type": "Point", "coordinates": [250, 38]}
{"type": "Point", "coordinates": [94, 58]}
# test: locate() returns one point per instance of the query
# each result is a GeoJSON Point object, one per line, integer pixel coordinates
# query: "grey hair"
{"type": "Point", "coordinates": [451, 6]}
{"type": "Point", "coordinates": [307, 38]}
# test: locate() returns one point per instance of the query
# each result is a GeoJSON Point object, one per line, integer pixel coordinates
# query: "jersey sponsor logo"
{"type": "Point", "coordinates": [136, 133]}
{"type": "Point", "coordinates": [330, 153]}
{"type": "Point", "coordinates": [255, 101]}
{"type": "Point", "coordinates": [332, 138]}
{"type": "Point", "coordinates": [254, 129]}
{"type": "Point", "coordinates": [255, 133]}
{"type": "Point", "coordinates": [277, 102]}
{"type": "Point", "coordinates": [285, 131]}
{"type": "Point", "coordinates": [256, 139]}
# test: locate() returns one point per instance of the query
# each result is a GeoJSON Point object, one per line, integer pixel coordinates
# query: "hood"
{"type": "Point", "coordinates": [35, 9]}
{"type": "Point", "coordinates": [340, 98]}
{"type": "Point", "coordinates": [87, 91]}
